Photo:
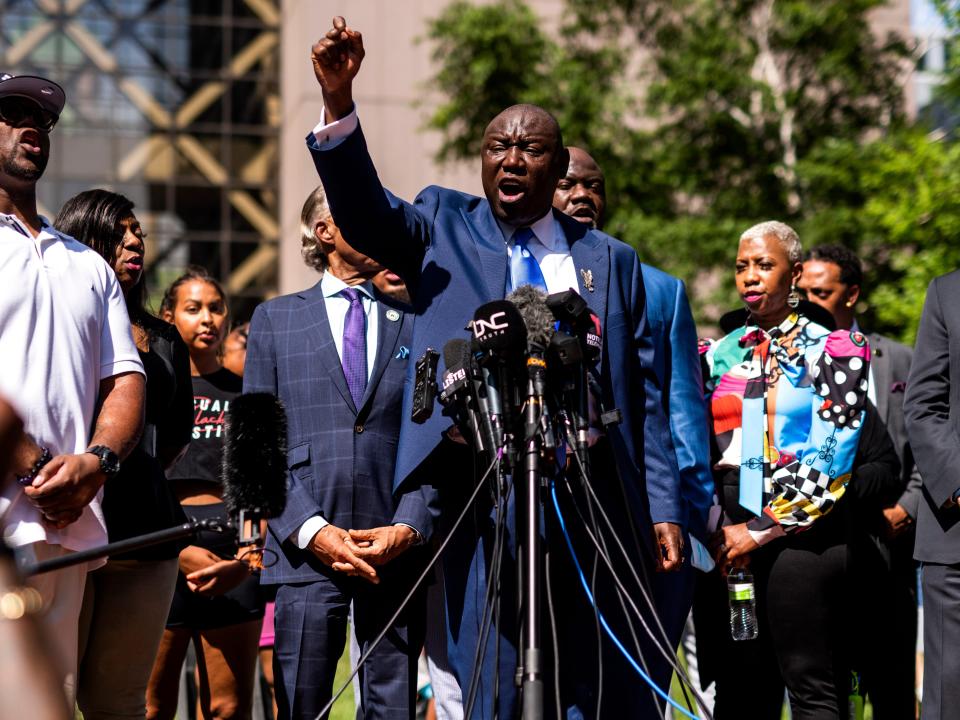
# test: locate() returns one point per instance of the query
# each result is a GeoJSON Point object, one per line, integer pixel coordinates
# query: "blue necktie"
{"type": "Point", "coordinates": [354, 359]}
{"type": "Point", "coordinates": [524, 268]}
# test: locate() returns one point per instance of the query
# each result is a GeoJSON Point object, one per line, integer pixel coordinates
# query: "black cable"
{"type": "Point", "coordinates": [622, 591]}
{"type": "Point", "coordinates": [596, 617]}
{"type": "Point", "coordinates": [670, 656]}
{"type": "Point", "coordinates": [496, 618]}
{"type": "Point", "coordinates": [604, 550]}
{"type": "Point", "coordinates": [553, 633]}
{"type": "Point", "coordinates": [413, 590]}
{"type": "Point", "coordinates": [486, 619]}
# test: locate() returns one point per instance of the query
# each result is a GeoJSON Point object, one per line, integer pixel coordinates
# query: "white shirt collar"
{"type": "Point", "coordinates": [545, 229]}
{"type": "Point", "coordinates": [331, 285]}
{"type": "Point", "coordinates": [17, 224]}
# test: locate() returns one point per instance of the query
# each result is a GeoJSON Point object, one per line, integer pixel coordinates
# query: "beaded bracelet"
{"type": "Point", "coordinates": [31, 475]}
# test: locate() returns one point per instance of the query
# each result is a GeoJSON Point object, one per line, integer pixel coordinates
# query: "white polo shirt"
{"type": "Point", "coordinates": [63, 328]}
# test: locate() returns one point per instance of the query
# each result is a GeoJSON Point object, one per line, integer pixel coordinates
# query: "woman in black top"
{"type": "Point", "coordinates": [217, 602]}
{"type": "Point", "coordinates": [126, 601]}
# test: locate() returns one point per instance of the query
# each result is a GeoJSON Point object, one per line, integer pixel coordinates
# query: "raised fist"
{"type": "Point", "coordinates": [336, 60]}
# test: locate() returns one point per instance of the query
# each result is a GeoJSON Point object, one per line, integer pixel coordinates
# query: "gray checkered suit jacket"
{"type": "Point", "coordinates": [340, 458]}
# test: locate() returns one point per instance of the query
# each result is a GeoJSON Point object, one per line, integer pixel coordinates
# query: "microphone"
{"type": "Point", "coordinates": [458, 394]}
{"type": "Point", "coordinates": [531, 304]}
{"type": "Point", "coordinates": [254, 468]}
{"type": "Point", "coordinates": [573, 314]}
{"type": "Point", "coordinates": [499, 339]}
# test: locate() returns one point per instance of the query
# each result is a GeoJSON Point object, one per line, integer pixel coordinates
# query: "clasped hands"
{"type": "Point", "coordinates": [360, 552]}
{"type": "Point", "coordinates": [64, 487]}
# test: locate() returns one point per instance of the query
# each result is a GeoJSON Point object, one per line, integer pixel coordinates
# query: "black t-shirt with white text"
{"type": "Point", "coordinates": [212, 395]}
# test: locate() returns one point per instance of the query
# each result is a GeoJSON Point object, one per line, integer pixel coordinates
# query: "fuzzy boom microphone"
{"type": "Point", "coordinates": [254, 468]}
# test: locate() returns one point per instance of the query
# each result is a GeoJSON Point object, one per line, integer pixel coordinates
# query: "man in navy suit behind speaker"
{"type": "Point", "coordinates": [336, 356]}
{"type": "Point", "coordinates": [457, 252]}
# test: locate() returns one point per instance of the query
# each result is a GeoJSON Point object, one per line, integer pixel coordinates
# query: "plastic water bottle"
{"type": "Point", "coordinates": [855, 703]}
{"type": "Point", "coordinates": [743, 605]}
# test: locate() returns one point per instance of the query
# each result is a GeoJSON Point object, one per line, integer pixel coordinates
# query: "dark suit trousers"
{"type": "Point", "coordinates": [311, 627]}
{"type": "Point", "coordinates": [941, 640]}
{"type": "Point", "coordinates": [885, 623]}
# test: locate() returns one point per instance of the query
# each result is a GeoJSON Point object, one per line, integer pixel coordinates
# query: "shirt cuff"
{"type": "Point", "coordinates": [417, 536]}
{"type": "Point", "coordinates": [302, 537]}
{"type": "Point", "coordinates": [328, 136]}
{"type": "Point", "coordinates": [762, 537]}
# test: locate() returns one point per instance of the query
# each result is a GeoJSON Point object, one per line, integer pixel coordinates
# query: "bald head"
{"type": "Point", "coordinates": [526, 114]}
{"type": "Point", "coordinates": [522, 159]}
{"type": "Point", "coordinates": [581, 193]}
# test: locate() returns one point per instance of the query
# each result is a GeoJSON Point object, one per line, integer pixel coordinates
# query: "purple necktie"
{"type": "Point", "coordinates": [355, 346]}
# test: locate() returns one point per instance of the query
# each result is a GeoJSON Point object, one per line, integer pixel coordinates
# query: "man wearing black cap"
{"type": "Point", "coordinates": [69, 365]}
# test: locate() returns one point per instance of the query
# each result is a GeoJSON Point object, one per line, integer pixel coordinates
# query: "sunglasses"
{"type": "Point", "coordinates": [20, 112]}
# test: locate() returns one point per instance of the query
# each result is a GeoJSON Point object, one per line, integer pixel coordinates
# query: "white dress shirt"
{"type": "Point", "coordinates": [337, 306]}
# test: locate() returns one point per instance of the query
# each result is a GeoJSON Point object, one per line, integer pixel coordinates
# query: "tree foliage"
{"type": "Point", "coordinates": [708, 117]}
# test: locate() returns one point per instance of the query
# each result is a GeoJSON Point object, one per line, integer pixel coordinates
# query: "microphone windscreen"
{"type": "Point", "coordinates": [254, 468]}
{"type": "Point", "coordinates": [532, 305]}
{"type": "Point", "coordinates": [456, 364]}
{"type": "Point", "coordinates": [453, 353]}
{"type": "Point", "coordinates": [498, 326]}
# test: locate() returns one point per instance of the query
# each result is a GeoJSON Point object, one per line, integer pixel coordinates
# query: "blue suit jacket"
{"type": "Point", "coordinates": [450, 251]}
{"type": "Point", "coordinates": [340, 458]}
{"type": "Point", "coordinates": [677, 364]}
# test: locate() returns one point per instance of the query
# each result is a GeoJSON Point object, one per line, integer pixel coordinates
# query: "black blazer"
{"type": "Point", "coordinates": [890, 364]}
{"type": "Point", "coordinates": [932, 410]}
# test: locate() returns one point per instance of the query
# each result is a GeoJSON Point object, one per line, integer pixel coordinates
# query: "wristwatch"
{"type": "Point", "coordinates": [109, 462]}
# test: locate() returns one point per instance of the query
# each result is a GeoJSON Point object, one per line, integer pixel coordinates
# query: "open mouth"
{"type": "Point", "coordinates": [30, 139]}
{"type": "Point", "coordinates": [511, 191]}
{"type": "Point", "coordinates": [135, 265]}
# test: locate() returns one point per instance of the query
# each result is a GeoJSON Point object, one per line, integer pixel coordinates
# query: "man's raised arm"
{"type": "Point", "coordinates": [372, 220]}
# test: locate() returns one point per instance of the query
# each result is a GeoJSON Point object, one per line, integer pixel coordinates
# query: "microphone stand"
{"type": "Point", "coordinates": [530, 670]}
{"type": "Point", "coordinates": [187, 529]}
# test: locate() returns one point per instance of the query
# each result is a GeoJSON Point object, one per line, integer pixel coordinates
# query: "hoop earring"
{"type": "Point", "coordinates": [793, 299]}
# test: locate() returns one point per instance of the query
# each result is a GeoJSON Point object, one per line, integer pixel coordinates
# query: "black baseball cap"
{"type": "Point", "coordinates": [46, 93]}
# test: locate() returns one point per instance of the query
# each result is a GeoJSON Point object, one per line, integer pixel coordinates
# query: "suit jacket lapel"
{"type": "Point", "coordinates": [318, 328]}
{"type": "Point", "coordinates": [490, 246]}
{"type": "Point", "coordinates": [590, 257]}
{"type": "Point", "coordinates": [388, 331]}
{"type": "Point", "coordinates": [880, 363]}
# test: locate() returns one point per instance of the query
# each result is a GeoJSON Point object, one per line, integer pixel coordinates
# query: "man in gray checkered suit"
{"type": "Point", "coordinates": [336, 355]}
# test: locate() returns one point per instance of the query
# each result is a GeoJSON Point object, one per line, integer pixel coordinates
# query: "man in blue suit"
{"type": "Point", "coordinates": [581, 194]}
{"type": "Point", "coordinates": [336, 355]}
{"type": "Point", "coordinates": [457, 252]}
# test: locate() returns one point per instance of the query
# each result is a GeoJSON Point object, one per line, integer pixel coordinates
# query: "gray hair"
{"type": "Point", "coordinates": [315, 209]}
{"type": "Point", "coordinates": [789, 240]}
